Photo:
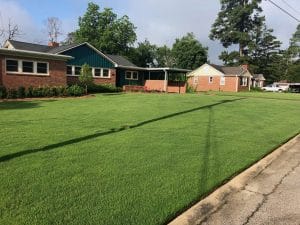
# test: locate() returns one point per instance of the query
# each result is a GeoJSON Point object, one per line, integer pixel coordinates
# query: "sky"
{"type": "Point", "coordinates": [159, 21]}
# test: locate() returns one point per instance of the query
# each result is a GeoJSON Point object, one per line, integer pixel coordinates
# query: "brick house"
{"type": "Point", "coordinates": [210, 77]}
{"type": "Point", "coordinates": [30, 68]}
{"type": "Point", "coordinates": [27, 64]}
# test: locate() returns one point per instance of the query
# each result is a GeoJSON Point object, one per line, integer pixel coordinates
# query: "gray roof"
{"type": "Point", "coordinates": [258, 77]}
{"type": "Point", "coordinates": [62, 48]}
{"type": "Point", "coordinates": [121, 61]}
{"type": "Point", "coordinates": [229, 70]}
{"type": "Point", "coordinates": [19, 45]}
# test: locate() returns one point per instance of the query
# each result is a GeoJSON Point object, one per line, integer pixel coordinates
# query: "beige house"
{"type": "Point", "coordinates": [210, 77]}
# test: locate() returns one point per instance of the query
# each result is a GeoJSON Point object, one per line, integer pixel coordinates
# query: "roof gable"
{"type": "Point", "coordinates": [84, 53]}
{"type": "Point", "coordinates": [206, 70]}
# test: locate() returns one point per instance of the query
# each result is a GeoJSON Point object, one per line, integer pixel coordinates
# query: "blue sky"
{"type": "Point", "coordinates": [160, 21]}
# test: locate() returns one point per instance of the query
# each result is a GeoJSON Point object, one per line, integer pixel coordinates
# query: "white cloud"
{"type": "Point", "coordinates": [12, 10]}
{"type": "Point", "coordinates": [161, 21]}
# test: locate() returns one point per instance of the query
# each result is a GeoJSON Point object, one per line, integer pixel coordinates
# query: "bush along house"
{"type": "Point", "coordinates": [211, 77]}
{"type": "Point", "coordinates": [26, 64]}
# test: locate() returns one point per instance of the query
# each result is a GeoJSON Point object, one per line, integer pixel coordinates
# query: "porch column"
{"type": "Point", "coordinates": [166, 81]}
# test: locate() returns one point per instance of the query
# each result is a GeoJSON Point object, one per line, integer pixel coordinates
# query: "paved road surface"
{"type": "Point", "coordinates": [267, 194]}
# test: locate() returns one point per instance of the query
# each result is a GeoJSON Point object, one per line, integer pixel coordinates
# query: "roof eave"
{"type": "Point", "coordinates": [32, 54]}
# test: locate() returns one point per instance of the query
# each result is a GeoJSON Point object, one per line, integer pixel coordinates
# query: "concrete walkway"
{"type": "Point", "coordinates": [266, 193]}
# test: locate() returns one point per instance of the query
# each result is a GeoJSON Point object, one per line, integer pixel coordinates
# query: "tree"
{"type": "Point", "coordinates": [70, 39]}
{"type": "Point", "coordinates": [54, 30]}
{"type": "Point", "coordinates": [164, 57]}
{"type": "Point", "coordinates": [234, 25]}
{"type": "Point", "coordinates": [143, 55]}
{"type": "Point", "coordinates": [86, 77]}
{"type": "Point", "coordinates": [12, 31]}
{"type": "Point", "coordinates": [189, 52]}
{"type": "Point", "coordinates": [105, 31]}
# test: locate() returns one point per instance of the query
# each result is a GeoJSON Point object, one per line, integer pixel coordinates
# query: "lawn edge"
{"type": "Point", "coordinates": [200, 209]}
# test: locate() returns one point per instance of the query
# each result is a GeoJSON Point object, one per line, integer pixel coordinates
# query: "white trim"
{"type": "Point", "coordinates": [101, 73]}
{"type": "Point", "coordinates": [20, 67]}
{"type": "Point", "coordinates": [33, 54]}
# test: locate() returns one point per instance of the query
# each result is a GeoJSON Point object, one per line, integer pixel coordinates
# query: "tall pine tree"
{"type": "Point", "coordinates": [234, 25]}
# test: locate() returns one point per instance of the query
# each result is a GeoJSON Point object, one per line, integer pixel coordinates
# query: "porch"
{"type": "Point", "coordinates": [168, 80]}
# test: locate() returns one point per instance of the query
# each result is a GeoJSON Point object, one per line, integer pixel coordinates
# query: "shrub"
{"type": "Point", "coordinates": [3, 92]}
{"type": "Point", "coordinates": [75, 90]}
{"type": "Point", "coordinates": [12, 93]}
{"type": "Point", "coordinates": [21, 92]}
{"type": "Point", "coordinates": [61, 91]}
{"type": "Point", "coordinates": [256, 89]}
{"type": "Point", "coordinates": [29, 92]}
{"type": "Point", "coordinates": [190, 89]}
{"type": "Point", "coordinates": [104, 88]}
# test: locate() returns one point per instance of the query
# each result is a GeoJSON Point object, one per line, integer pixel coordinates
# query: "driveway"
{"type": "Point", "coordinates": [266, 193]}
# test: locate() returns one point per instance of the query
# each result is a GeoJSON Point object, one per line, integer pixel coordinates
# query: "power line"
{"type": "Point", "coordinates": [283, 10]}
{"type": "Point", "coordinates": [291, 7]}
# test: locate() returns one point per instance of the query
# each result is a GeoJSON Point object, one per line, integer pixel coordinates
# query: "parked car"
{"type": "Point", "coordinates": [275, 88]}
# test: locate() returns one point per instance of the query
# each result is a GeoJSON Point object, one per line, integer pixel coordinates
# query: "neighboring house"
{"type": "Point", "coordinates": [64, 63]}
{"type": "Point", "coordinates": [211, 77]}
{"type": "Point", "coordinates": [258, 80]}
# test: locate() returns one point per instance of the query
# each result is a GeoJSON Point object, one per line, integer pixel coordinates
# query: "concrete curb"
{"type": "Point", "coordinates": [202, 210]}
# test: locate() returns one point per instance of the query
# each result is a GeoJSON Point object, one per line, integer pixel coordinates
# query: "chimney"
{"type": "Point", "coordinates": [245, 66]}
{"type": "Point", "coordinates": [53, 44]}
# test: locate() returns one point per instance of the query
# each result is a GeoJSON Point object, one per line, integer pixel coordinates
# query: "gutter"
{"type": "Point", "coordinates": [32, 54]}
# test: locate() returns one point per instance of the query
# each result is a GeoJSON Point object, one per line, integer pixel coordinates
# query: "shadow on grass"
{"type": "Point", "coordinates": [19, 105]}
{"type": "Point", "coordinates": [112, 131]}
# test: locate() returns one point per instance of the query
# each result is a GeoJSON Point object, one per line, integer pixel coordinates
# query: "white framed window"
{"type": "Point", "coordinates": [69, 70]}
{"type": "Point", "coordinates": [196, 81]}
{"type": "Point", "coordinates": [222, 81]}
{"type": "Point", "coordinates": [244, 81]}
{"type": "Point", "coordinates": [210, 80]}
{"type": "Point", "coordinates": [77, 70]}
{"type": "Point", "coordinates": [28, 67]}
{"type": "Point", "coordinates": [131, 75]}
{"type": "Point", "coordinates": [101, 73]}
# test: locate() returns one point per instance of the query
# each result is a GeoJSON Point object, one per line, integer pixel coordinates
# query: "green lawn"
{"type": "Point", "coordinates": [132, 158]}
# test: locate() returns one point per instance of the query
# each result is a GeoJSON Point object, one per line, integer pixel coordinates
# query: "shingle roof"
{"type": "Point", "coordinates": [120, 60]}
{"type": "Point", "coordinates": [19, 45]}
{"type": "Point", "coordinates": [62, 48]}
{"type": "Point", "coordinates": [229, 70]}
{"type": "Point", "coordinates": [258, 77]}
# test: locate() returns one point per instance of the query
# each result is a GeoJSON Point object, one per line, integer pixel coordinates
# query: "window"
{"type": "Point", "coordinates": [69, 70]}
{"type": "Point", "coordinates": [131, 75]}
{"type": "Point", "coordinates": [27, 67]}
{"type": "Point", "coordinates": [210, 80]}
{"type": "Point", "coordinates": [77, 70]}
{"type": "Point", "coordinates": [222, 81]}
{"type": "Point", "coordinates": [97, 72]}
{"type": "Point", "coordinates": [12, 65]}
{"type": "Point", "coordinates": [42, 68]}
{"type": "Point", "coordinates": [105, 73]}
{"type": "Point", "coordinates": [19, 66]}
{"type": "Point", "coordinates": [244, 81]}
{"type": "Point", "coordinates": [195, 80]}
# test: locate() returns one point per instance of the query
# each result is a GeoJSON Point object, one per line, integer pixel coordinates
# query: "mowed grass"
{"type": "Point", "coordinates": [132, 158]}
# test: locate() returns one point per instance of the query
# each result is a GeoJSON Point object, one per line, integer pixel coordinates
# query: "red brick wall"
{"type": "Point", "coordinates": [112, 80]}
{"type": "Point", "coordinates": [204, 85]}
{"type": "Point", "coordinates": [56, 77]}
{"type": "Point", "coordinates": [1, 69]}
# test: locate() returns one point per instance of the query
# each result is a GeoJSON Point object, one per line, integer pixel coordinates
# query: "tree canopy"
{"type": "Point", "coordinates": [188, 52]}
{"type": "Point", "coordinates": [105, 31]}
